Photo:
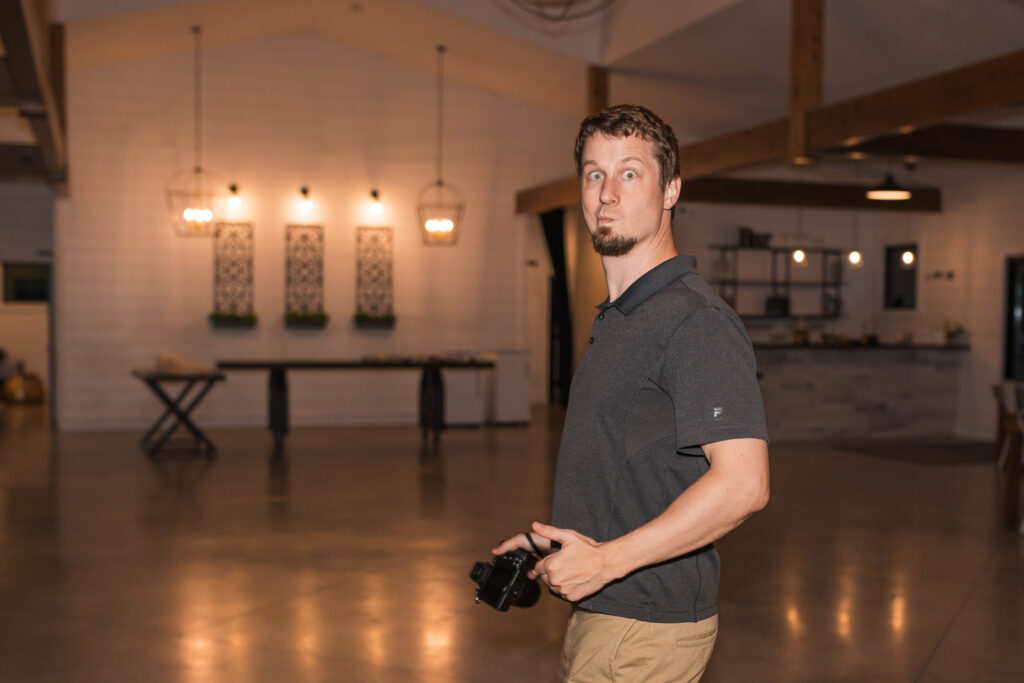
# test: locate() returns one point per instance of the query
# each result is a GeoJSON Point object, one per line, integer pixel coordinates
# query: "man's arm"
{"type": "Point", "coordinates": [735, 487]}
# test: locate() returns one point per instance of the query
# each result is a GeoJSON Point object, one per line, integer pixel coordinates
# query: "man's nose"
{"type": "Point", "coordinates": [609, 192]}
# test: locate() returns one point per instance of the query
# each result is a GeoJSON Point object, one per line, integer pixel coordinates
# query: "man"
{"type": "Point", "coordinates": [664, 448]}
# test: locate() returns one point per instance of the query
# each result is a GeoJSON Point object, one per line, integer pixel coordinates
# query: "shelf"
{"type": "Point", "coordinates": [769, 283]}
{"type": "Point", "coordinates": [765, 318]}
{"type": "Point", "coordinates": [809, 250]}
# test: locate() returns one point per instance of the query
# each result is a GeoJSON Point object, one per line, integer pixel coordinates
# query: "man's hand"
{"type": "Point", "coordinates": [577, 570]}
{"type": "Point", "coordinates": [519, 541]}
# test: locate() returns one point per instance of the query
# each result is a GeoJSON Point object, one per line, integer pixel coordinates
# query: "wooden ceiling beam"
{"type": "Point", "coordinates": [790, 193]}
{"type": "Point", "coordinates": [805, 75]}
{"type": "Point", "coordinates": [566, 192]}
{"type": "Point", "coordinates": [734, 150]}
{"type": "Point", "coordinates": [547, 196]}
{"type": "Point", "coordinates": [991, 84]}
{"type": "Point", "coordinates": [8, 98]}
{"type": "Point", "coordinates": [597, 89]}
{"type": "Point", "coordinates": [26, 52]}
{"type": "Point", "coordinates": [22, 162]}
{"type": "Point", "coordinates": [948, 141]}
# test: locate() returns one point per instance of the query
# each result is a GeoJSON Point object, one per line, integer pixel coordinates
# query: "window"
{"type": "Point", "coordinates": [26, 281]}
{"type": "Point", "coordinates": [901, 276]}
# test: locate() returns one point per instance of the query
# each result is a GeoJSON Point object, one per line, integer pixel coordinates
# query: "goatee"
{"type": "Point", "coordinates": [607, 244]}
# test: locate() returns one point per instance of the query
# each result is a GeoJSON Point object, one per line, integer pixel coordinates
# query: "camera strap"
{"type": "Point", "coordinates": [534, 545]}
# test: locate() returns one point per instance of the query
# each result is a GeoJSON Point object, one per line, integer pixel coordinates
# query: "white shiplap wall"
{"type": "Point", "coordinates": [279, 113]}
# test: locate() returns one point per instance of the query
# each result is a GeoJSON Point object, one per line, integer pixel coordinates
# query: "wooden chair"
{"type": "Point", "coordinates": [1010, 442]}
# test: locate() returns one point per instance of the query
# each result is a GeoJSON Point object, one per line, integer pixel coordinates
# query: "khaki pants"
{"type": "Point", "coordinates": [599, 647]}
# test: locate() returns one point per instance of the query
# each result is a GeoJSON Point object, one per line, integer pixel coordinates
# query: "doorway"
{"type": "Point", "coordinates": [1013, 366]}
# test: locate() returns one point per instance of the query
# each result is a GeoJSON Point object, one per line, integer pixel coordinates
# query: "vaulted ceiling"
{"type": "Point", "coordinates": [709, 67]}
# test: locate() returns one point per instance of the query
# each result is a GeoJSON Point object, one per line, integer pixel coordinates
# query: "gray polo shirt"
{"type": "Point", "coordinates": [669, 368]}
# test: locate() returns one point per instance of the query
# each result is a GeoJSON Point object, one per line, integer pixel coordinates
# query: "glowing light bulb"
{"type": "Point", "coordinates": [855, 259]}
{"type": "Point", "coordinates": [306, 205]}
{"type": "Point", "coordinates": [799, 256]}
{"type": "Point", "coordinates": [907, 258]}
{"type": "Point", "coordinates": [235, 202]}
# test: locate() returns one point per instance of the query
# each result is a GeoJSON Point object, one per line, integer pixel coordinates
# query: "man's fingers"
{"type": "Point", "coordinates": [552, 533]}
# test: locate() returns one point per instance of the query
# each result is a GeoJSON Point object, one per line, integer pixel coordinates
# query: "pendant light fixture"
{"type": "Point", "coordinates": [888, 191]}
{"type": "Point", "coordinates": [196, 197]}
{"type": "Point", "coordinates": [854, 259]}
{"type": "Point", "coordinates": [440, 204]}
{"type": "Point", "coordinates": [799, 255]}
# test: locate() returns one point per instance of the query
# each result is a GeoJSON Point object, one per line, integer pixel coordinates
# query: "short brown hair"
{"type": "Point", "coordinates": [624, 120]}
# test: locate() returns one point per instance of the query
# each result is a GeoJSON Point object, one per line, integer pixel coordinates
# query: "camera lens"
{"type": "Point", "coordinates": [529, 594]}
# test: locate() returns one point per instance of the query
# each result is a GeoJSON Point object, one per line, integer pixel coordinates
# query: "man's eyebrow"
{"type": "Point", "coordinates": [632, 159]}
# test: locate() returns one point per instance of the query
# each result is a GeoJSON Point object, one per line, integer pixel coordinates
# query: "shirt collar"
{"type": "Point", "coordinates": [652, 282]}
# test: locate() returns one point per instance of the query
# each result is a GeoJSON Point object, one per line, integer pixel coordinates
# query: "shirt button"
{"type": "Point", "coordinates": [591, 340]}
{"type": "Point", "coordinates": [600, 316]}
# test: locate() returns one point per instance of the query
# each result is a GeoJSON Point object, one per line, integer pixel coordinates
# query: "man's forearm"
{"type": "Point", "coordinates": [734, 488]}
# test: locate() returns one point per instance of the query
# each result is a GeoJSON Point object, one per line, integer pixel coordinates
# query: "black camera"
{"type": "Point", "coordinates": [503, 582]}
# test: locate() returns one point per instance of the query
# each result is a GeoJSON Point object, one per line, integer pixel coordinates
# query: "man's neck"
{"type": "Point", "coordinates": [622, 271]}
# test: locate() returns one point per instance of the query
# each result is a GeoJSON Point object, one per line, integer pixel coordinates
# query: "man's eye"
{"type": "Point", "coordinates": [629, 175]}
{"type": "Point", "coordinates": [594, 175]}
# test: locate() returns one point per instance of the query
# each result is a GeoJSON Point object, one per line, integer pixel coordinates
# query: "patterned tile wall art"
{"type": "Point", "coordinates": [374, 274]}
{"type": "Point", "coordinates": [304, 269]}
{"type": "Point", "coordinates": [233, 269]}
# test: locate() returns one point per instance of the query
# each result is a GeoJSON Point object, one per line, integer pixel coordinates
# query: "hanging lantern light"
{"type": "Point", "coordinates": [196, 197]}
{"type": "Point", "coordinates": [439, 203]}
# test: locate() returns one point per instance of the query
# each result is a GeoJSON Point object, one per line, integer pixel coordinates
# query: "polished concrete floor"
{"type": "Point", "coordinates": [348, 560]}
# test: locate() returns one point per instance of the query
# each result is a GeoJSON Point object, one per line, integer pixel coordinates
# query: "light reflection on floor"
{"type": "Point", "coordinates": [348, 560]}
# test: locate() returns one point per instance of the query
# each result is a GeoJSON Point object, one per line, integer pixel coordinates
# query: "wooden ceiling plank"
{"type": "Point", "coordinates": [990, 84]}
{"type": "Point", "coordinates": [950, 142]}
{"type": "Point", "coordinates": [24, 46]}
{"type": "Point", "coordinates": [805, 77]}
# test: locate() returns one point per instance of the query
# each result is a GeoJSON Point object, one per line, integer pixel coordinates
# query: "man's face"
{"type": "Point", "coordinates": [623, 199]}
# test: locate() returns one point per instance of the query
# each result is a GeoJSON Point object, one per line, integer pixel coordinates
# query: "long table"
{"type": "Point", "coordinates": [431, 397]}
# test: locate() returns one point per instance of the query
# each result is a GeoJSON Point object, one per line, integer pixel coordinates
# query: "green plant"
{"type": "Point", "coordinates": [220, 317]}
{"type": "Point", "coordinates": [306, 317]}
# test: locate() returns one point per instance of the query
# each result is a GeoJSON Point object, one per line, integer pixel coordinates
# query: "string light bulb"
{"type": "Point", "coordinates": [855, 259]}
{"type": "Point", "coordinates": [800, 258]}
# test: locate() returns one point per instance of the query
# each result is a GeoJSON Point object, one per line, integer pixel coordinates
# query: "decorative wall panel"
{"type": "Point", "coordinates": [374, 283]}
{"type": "Point", "coordinates": [304, 269]}
{"type": "Point", "coordinates": [233, 269]}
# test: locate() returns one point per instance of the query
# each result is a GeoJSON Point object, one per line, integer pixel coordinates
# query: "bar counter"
{"type": "Point", "coordinates": [822, 391]}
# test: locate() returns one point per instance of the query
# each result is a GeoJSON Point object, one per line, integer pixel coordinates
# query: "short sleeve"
{"type": "Point", "coordinates": [711, 375]}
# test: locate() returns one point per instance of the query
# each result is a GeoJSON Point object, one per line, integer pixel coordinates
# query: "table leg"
{"type": "Point", "coordinates": [147, 438]}
{"type": "Point", "coordinates": [432, 401]}
{"type": "Point", "coordinates": [278, 407]}
{"type": "Point", "coordinates": [181, 416]}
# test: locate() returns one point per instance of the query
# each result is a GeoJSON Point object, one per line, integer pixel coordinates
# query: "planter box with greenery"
{"type": "Point", "coordinates": [308, 319]}
{"type": "Point", "coordinates": [366, 320]}
{"type": "Point", "coordinates": [233, 319]}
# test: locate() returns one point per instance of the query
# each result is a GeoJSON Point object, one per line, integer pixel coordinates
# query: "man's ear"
{"type": "Point", "coordinates": [672, 190]}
